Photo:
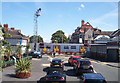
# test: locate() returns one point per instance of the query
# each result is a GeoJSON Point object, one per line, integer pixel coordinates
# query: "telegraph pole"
{"type": "Point", "coordinates": [36, 15]}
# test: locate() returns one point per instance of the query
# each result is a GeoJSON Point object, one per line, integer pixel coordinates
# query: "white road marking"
{"type": "Point", "coordinates": [46, 65]}
{"type": "Point", "coordinates": [94, 71]}
{"type": "Point", "coordinates": [35, 59]}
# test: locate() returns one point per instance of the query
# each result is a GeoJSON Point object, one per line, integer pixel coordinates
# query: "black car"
{"type": "Point", "coordinates": [55, 77]}
{"type": "Point", "coordinates": [83, 66]}
{"type": "Point", "coordinates": [93, 78]}
{"type": "Point", "coordinates": [57, 63]}
{"type": "Point", "coordinates": [36, 54]}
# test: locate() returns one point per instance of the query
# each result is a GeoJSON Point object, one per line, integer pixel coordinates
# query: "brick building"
{"type": "Point", "coordinates": [86, 33]}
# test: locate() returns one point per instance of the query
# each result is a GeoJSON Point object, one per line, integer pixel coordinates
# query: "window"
{"type": "Point", "coordinates": [73, 47]}
{"type": "Point", "coordinates": [66, 47]}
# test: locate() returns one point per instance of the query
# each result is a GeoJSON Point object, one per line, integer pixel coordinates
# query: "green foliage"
{"type": "Point", "coordinates": [8, 50]}
{"type": "Point", "coordinates": [39, 39]}
{"type": "Point", "coordinates": [27, 48]}
{"type": "Point", "coordinates": [59, 37]}
{"type": "Point", "coordinates": [7, 35]}
{"type": "Point", "coordinates": [19, 50]}
{"type": "Point", "coordinates": [23, 65]}
{"type": "Point", "coordinates": [5, 42]}
{"type": "Point", "coordinates": [1, 65]}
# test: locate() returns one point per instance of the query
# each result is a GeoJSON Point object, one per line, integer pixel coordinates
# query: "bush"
{"type": "Point", "coordinates": [23, 65]}
{"type": "Point", "coordinates": [4, 64]}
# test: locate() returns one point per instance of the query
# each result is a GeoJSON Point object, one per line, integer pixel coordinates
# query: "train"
{"type": "Point", "coordinates": [60, 48]}
{"type": "Point", "coordinates": [99, 51]}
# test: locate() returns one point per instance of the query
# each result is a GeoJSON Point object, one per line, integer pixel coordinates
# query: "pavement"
{"type": "Point", "coordinates": [112, 64]}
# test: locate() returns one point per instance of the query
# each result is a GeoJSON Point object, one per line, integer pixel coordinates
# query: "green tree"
{"type": "Point", "coordinates": [8, 50]}
{"type": "Point", "coordinates": [19, 52]}
{"type": "Point", "coordinates": [27, 49]}
{"type": "Point", "coordinates": [5, 42]}
{"type": "Point", "coordinates": [7, 35]}
{"type": "Point", "coordinates": [39, 39]}
{"type": "Point", "coordinates": [59, 37]}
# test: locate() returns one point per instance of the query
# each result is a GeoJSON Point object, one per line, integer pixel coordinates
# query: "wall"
{"type": "Point", "coordinates": [17, 41]}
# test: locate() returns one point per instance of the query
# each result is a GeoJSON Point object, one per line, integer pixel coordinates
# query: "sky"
{"type": "Point", "coordinates": [55, 16]}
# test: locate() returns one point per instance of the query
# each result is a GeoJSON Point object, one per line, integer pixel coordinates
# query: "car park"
{"type": "Point", "coordinates": [93, 78]}
{"type": "Point", "coordinates": [83, 66]}
{"type": "Point", "coordinates": [73, 59]}
{"type": "Point", "coordinates": [55, 77]}
{"type": "Point", "coordinates": [58, 63]}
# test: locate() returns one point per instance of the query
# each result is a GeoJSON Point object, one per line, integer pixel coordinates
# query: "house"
{"type": "Point", "coordinates": [86, 33]}
{"type": "Point", "coordinates": [16, 38]}
{"type": "Point", "coordinates": [88, 38]}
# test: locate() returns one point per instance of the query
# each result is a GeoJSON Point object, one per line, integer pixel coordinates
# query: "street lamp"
{"type": "Point", "coordinates": [36, 15]}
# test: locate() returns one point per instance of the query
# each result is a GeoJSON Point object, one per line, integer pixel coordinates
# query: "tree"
{"type": "Point", "coordinates": [39, 39]}
{"type": "Point", "coordinates": [59, 37]}
{"type": "Point", "coordinates": [7, 35]}
{"type": "Point", "coordinates": [19, 52]}
{"type": "Point", "coordinates": [27, 49]}
{"type": "Point", "coordinates": [8, 51]}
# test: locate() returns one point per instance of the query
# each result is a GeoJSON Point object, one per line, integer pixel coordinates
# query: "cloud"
{"type": "Point", "coordinates": [47, 40]}
{"type": "Point", "coordinates": [105, 21]}
{"type": "Point", "coordinates": [82, 6]}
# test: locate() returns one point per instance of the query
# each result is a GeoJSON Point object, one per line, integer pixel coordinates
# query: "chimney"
{"type": "Point", "coordinates": [82, 22]}
{"type": "Point", "coordinates": [13, 28]}
{"type": "Point", "coordinates": [5, 27]}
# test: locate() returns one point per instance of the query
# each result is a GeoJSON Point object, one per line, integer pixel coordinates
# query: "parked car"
{"type": "Point", "coordinates": [73, 59]}
{"type": "Point", "coordinates": [57, 63]}
{"type": "Point", "coordinates": [83, 66]}
{"type": "Point", "coordinates": [55, 77]}
{"type": "Point", "coordinates": [36, 54]}
{"type": "Point", "coordinates": [93, 78]}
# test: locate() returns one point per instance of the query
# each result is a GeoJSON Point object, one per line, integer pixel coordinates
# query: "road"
{"type": "Point", "coordinates": [39, 67]}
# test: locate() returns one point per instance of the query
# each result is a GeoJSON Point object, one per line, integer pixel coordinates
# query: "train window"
{"type": "Point", "coordinates": [66, 47]}
{"type": "Point", "coordinates": [73, 47]}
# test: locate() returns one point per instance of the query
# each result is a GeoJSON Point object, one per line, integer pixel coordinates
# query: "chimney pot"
{"type": "Point", "coordinates": [82, 22]}
{"type": "Point", "coordinates": [12, 28]}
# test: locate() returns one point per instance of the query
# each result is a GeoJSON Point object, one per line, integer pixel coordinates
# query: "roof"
{"type": "Point", "coordinates": [106, 32]}
{"type": "Point", "coordinates": [16, 34]}
{"type": "Point", "coordinates": [102, 37]}
{"type": "Point", "coordinates": [76, 56]}
{"type": "Point", "coordinates": [93, 76]}
{"type": "Point", "coordinates": [115, 33]}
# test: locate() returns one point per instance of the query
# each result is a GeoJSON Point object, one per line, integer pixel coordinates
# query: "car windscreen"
{"type": "Point", "coordinates": [56, 61]}
{"type": "Point", "coordinates": [85, 62]}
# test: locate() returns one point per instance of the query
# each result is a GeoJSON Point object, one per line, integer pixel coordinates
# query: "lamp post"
{"type": "Point", "coordinates": [36, 15]}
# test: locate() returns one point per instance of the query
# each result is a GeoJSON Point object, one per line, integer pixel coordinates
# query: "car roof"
{"type": "Point", "coordinates": [56, 59]}
{"type": "Point", "coordinates": [84, 60]}
{"type": "Point", "coordinates": [76, 56]}
{"type": "Point", "coordinates": [93, 76]}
